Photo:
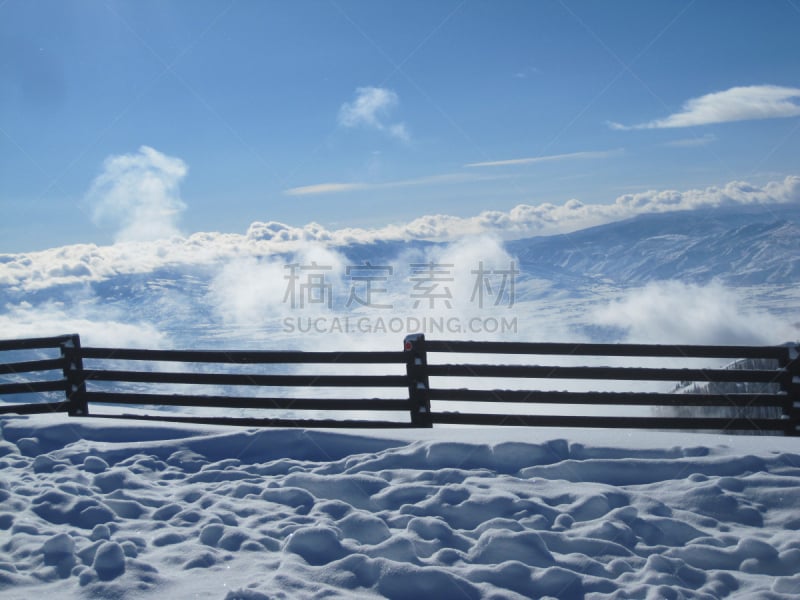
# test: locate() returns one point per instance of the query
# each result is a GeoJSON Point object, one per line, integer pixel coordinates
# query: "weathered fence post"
{"type": "Point", "coordinates": [417, 373]}
{"type": "Point", "coordinates": [791, 408]}
{"type": "Point", "coordinates": [73, 374]}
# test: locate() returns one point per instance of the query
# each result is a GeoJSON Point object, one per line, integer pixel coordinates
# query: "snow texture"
{"type": "Point", "coordinates": [105, 509]}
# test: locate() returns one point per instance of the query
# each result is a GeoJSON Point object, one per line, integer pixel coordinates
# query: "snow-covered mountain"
{"type": "Point", "coordinates": [730, 273]}
{"type": "Point", "coordinates": [739, 246]}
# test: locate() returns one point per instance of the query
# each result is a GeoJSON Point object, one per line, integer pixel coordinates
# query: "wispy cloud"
{"type": "Point", "coordinates": [138, 195]}
{"type": "Point", "coordinates": [552, 157]}
{"type": "Point", "coordinates": [526, 72]}
{"type": "Point", "coordinates": [692, 141]}
{"type": "Point", "coordinates": [335, 188]}
{"type": "Point", "coordinates": [371, 108]}
{"type": "Point", "coordinates": [326, 188]}
{"type": "Point", "coordinates": [735, 104]}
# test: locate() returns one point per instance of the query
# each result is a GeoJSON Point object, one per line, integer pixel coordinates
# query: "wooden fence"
{"type": "Point", "coordinates": [38, 376]}
{"type": "Point", "coordinates": [93, 382]}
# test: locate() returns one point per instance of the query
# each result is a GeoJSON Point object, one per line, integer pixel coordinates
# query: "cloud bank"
{"type": "Point", "coordinates": [371, 108]}
{"type": "Point", "coordinates": [138, 196]}
{"type": "Point", "coordinates": [735, 104]}
{"type": "Point", "coordinates": [88, 262]}
{"type": "Point", "coordinates": [97, 324]}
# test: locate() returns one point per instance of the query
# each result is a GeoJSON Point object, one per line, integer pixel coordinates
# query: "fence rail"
{"type": "Point", "coordinates": [37, 377]}
{"type": "Point", "coordinates": [750, 400]}
{"type": "Point", "coordinates": [568, 349]}
{"type": "Point", "coordinates": [189, 382]}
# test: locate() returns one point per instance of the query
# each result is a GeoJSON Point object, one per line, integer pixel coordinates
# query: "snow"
{"type": "Point", "coordinates": [106, 509]}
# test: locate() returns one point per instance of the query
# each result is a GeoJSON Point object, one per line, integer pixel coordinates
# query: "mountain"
{"type": "Point", "coordinates": [742, 246]}
{"type": "Point", "coordinates": [240, 297]}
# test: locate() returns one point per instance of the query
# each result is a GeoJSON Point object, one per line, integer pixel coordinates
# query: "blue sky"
{"type": "Point", "coordinates": [369, 113]}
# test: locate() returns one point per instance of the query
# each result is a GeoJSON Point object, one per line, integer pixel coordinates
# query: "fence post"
{"type": "Point", "coordinates": [417, 373]}
{"type": "Point", "coordinates": [73, 374]}
{"type": "Point", "coordinates": [792, 407]}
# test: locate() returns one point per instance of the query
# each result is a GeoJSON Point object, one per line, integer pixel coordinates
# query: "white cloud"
{"type": "Point", "coordinates": [399, 131]}
{"type": "Point", "coordinates": [97, 325]}
{"type": "Point", "coordinates": [371, 108]}
{"type": "Point", "coordinates": [138, 195]}
{"type": "Point", "coordinates": [552, 157]}
{"type": "Point", "coordinates": [677, 313]}
{"type": "Point", "coordinates": [483, 250]}
{"type": "Point", "coordinates": [245, 291]}
{"type": "Point", "coordinates": [87, 262]}
{"type": "Point", "coordinates": [248, 292]}
{"type": "Point", "coordinates": [264, 298]}
{"type": "Point", "coordinates": [735, 104]}
{"type": "Point", "coordinates": [526, 72]}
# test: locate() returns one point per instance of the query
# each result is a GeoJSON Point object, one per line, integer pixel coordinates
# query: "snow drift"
{"type": "Point", "coordinates": [102, 509]}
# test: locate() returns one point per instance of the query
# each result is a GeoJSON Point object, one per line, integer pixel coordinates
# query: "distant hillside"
{"type": "Point", "coordinates": [562, 280]}
{"type": "Point", "coordinates": [743, 246]}
{"type": "Point", "coordinates": [753, 412]}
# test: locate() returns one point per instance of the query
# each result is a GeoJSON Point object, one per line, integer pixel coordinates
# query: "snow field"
{"type": "Point", "coordinates": [106, 509]}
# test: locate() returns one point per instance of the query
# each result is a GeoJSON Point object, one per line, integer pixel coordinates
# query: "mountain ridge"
{"type": "Point", "coordinates": [738, 247]}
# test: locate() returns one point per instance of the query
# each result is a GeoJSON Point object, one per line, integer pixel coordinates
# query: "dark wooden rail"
{"type": "Point", "coordinates": [93, 379]}
{"type": "Point", "coordinates": [730, 411]}
{"type": "Point", "coordinates": [38, 376]}
{"type": "Point", "coordinates": [234, 382]}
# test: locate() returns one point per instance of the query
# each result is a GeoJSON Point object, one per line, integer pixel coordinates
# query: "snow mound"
{"type": "Point", "coordinates": [105, 509]}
